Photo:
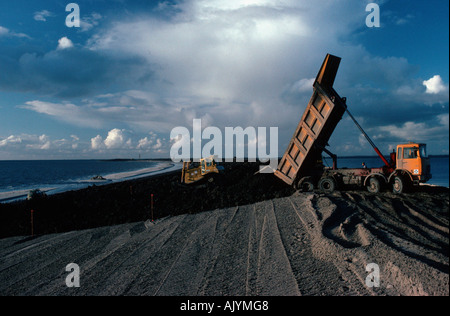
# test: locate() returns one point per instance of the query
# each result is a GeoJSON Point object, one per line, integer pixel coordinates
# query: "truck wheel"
{"type": "Point", "coordinates": [398, 187]}
{"type": "Point", "coordinates": [327, 185]}
{"type": "Point", "coordinates": [307, 186]}
{"type": "Point", "coordinates": [374, 185]}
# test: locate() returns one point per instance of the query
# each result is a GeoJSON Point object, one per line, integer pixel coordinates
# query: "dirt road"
{"type": "Point", "coordinates": [304, 244]}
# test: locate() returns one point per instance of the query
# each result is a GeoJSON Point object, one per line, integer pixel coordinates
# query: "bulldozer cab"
{"type": "Point", "coordinates": [413, 158]}
{"type": "Point", "coordinates": [207, 164]}
{"type": "Point", "coordinates": [195, 172]}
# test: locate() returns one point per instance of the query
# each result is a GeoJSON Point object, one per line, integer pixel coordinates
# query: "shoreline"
{"type": "Point", "coordinates": [20, 194]}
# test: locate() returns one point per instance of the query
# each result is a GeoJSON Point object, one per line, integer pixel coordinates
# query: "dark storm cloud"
{"type": "Point", "coordinates": [71, 72]}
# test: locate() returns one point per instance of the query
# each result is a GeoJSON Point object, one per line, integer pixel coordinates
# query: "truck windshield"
{"type": "Point", "coordinates": [409, 153]}
{"type": "Point", "coordinates": [423, 151]}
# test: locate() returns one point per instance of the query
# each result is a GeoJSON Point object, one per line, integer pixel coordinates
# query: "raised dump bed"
{"type": "Point", "coordinates": [324, 111]}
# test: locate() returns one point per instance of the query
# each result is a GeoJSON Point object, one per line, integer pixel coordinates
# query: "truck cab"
{"type": "Point", "coordinates": [413, 159]}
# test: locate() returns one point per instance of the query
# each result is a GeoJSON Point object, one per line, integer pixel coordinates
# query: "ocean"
{"type": "Point", "coordinates": [18, 177]}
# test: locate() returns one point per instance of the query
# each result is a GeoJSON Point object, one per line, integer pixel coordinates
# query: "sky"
{"type": "Point", "coordinates": [116, 85]}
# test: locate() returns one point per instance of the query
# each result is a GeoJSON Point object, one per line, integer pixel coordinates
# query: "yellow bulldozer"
{"type": "Point", "coordinates": [194, 172]}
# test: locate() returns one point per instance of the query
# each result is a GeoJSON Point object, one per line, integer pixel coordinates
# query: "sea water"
{"type": "Point", "coordinates": [17, 177]}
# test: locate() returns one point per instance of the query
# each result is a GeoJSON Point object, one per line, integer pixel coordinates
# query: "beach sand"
{"type": "Point", "coordinates": [243, 234]}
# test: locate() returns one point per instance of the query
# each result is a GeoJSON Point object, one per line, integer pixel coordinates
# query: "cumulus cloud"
{"type": "Point", "coordinates": [417, 132]}
{"type": "Point", "coordinates": [435, 85]}
{"type": "Point", "coordinates": [75, 140]}
{"type": "Point", "coordinates": [42, 15]}
{"type": "Point", "coordinates": [115, 139]}
{"type": "Point", "coordinates": [42, 143]}
{"type": "Point", "coordinates": [97, 142]}
{"type": "Point", "coordinates": [6, 32]}
{"type": "Point", "coordinates": [118, 142]}
{"type": "Point", "coordinates": [144, 143]}
{"type": "Point", "coordinates": [218, 52]}
{"type": "Point", "coordinates": [3, 30]}
{"type": "Point", "coordinates": [12, 139]}
{"type": "Point", "coordinates": [90, 21]}
{"type": "Point", "coordinates": [64, 43]}
{"type": "Point", "coordinates": [158, 144]}
{"type": "Point", "coordinates": [26, 146]}
{"type": "Point", "coordinates": [152, 143]}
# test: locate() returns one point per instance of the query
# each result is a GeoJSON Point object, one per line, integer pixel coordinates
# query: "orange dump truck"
{"type": "Point", "coordinates": [301, 165]}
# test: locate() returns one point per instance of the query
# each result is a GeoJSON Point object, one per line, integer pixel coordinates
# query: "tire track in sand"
{"type": "Point", "coordinates": [248, 256]}
{"type": "Point", "coordinates": [274, 274]}
{"type": "Point", "coordinates": [317, 265]}
{"type": "Point", "coordinates": [158, 263]}
{"type": "Point", "coordinates": [119, 263]}
{"type": "Point", "coordinates": [226, 272]}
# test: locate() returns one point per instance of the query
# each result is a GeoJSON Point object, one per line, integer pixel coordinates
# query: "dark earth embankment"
{"type": "Point", "coordinates": [130, 201]}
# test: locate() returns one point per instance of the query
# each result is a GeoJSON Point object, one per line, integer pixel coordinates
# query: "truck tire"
{"type": "Point", "coordinates": [305, 184]}
{"type": "Point", "coordinates": [374, 185]}
{"type": "Point", "coordinates": [399, 185]}
{"type": "Point", "coordinates": [327, 185]}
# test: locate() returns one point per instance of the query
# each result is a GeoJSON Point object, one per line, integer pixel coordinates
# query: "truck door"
{"type": "Point", "coordinates": [399, 157]}
{"type": "Point", "coordinates": [411, 161]}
